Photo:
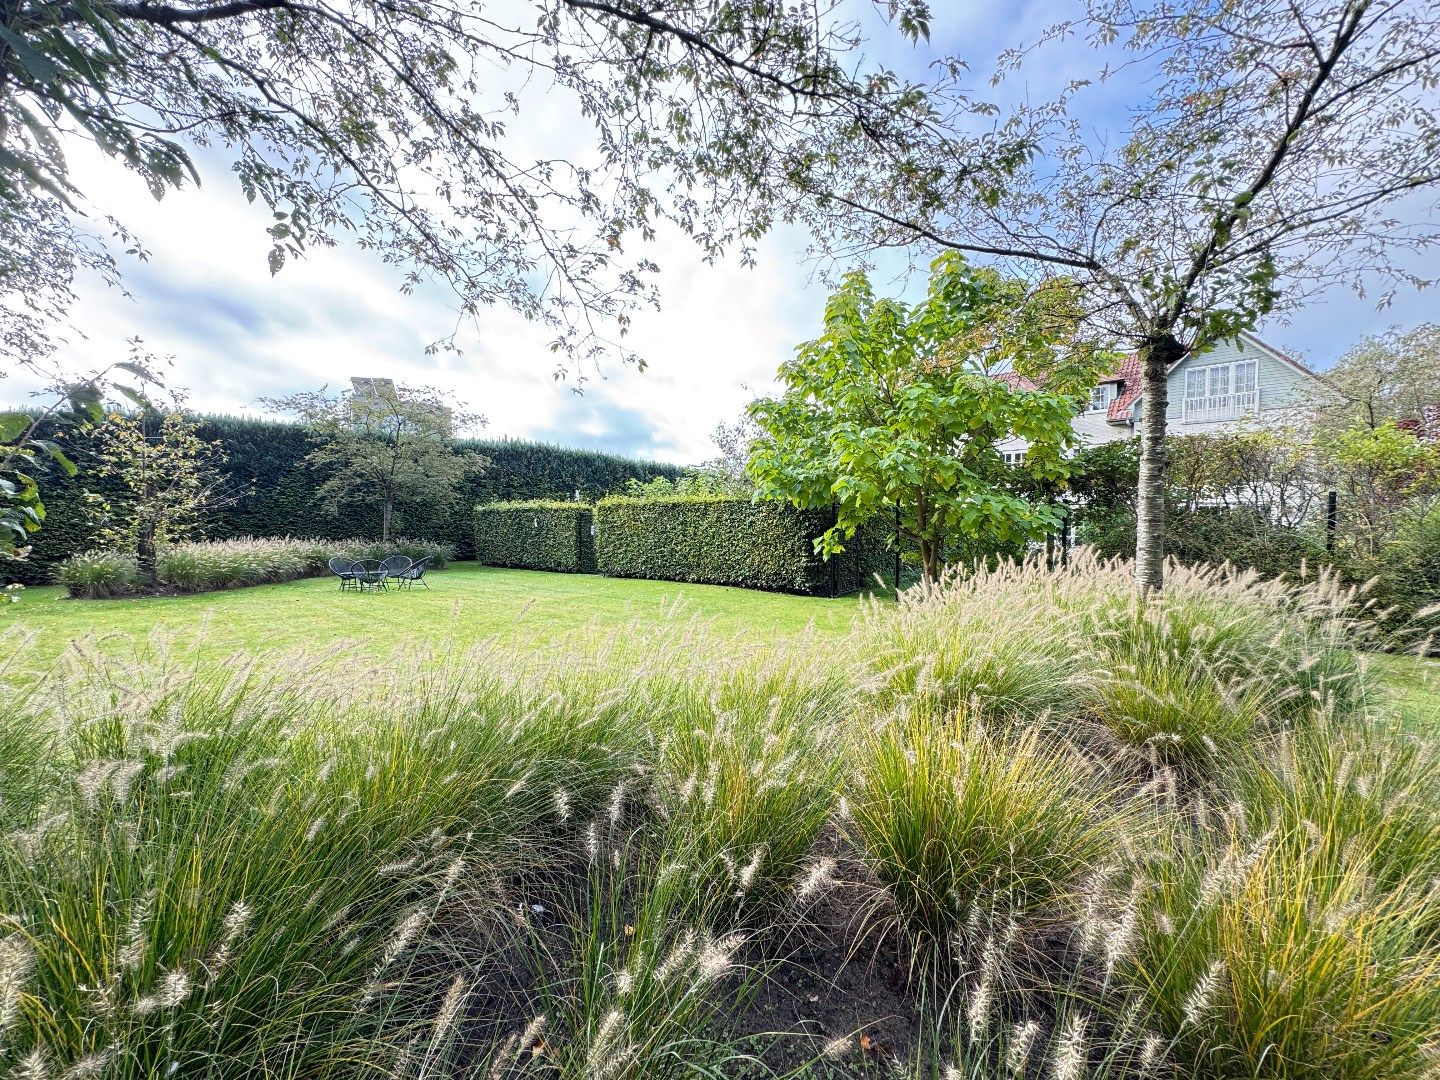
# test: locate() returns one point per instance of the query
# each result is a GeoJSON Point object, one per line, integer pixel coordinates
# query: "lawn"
{"type": "Point", "coordinates": [467, 604]}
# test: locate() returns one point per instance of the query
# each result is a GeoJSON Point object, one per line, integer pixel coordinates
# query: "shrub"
{"type": "Point", "coordinates": [536, 535]}
{"type": "Point", "coordinates": [720, 540]}
{"type": "Point", "coordinates": [99, 573]}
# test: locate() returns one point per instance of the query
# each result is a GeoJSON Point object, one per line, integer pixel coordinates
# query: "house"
{"type": "Point", "coordinates": [1220, 388]}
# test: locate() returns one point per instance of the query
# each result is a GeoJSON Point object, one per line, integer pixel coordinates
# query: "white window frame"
{"type": "Point", "coordinates": [1101, 397]}
{"type": "Point", "coordinates": [1212, 391]}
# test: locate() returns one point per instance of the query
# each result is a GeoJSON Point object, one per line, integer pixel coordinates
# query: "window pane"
{"type": "Point", "coordinates": [1220, 380]}
{"type": "Point", "coordinates": [1195, 383]}
{"type": "Point", "coordinates": [1245, 373]}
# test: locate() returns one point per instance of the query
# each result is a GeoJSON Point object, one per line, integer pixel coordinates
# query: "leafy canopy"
{"type": "Point", "coordinates": [386, 445]}
{"type": "Point", "coordinates": [898, 408]}
{"type": "Point", "coordinates": [163, 477]}
{"type": "Point", "coordinates": [401, 127]}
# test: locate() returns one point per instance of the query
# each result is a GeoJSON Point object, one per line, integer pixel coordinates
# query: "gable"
{"type": "Point", "coordinates": [1282, 382]}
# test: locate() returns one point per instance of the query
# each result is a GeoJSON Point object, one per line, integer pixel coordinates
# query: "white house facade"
{"type": "Point", "coordinates": [1222, 388]}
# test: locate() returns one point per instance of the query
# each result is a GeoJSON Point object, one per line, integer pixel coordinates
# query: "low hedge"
{"type": "Point", "coordinates": [536, 535]}
{"type": "Point", "coordinates": [724, 540]}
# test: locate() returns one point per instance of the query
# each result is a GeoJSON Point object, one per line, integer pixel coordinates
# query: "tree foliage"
{"type": "Point", "coordinates": [400, 126]}
{"type": "Point", "coordinates": [897, 408]}
{"type": "Point", "coordinates": [165, 476]}
{"type": "Point", "coordinates": [30, 443]}
{"type": "Point", "coordinates": [1272, 157]}
{"type": "Point", "coordinates": [1390, 376]}
{"type": "Point", "coordinates": [385, 446]}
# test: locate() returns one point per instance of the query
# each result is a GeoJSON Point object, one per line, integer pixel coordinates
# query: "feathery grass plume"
{"type": "Point", "coordinates": [33, 1066]}
{"type": "Point", "coordinates": [17, 958]}
{"type": "Point", "coordinates": [1022, 1044]}
{"type": "Point", "coordinates": [1070, 1054]}
{"type": "Point", "coordinates": [818, 878]}
{"type": "Point", "coordinates": [838, 1048]}
{"type": "Point", "coordinates": [1197, 1003]}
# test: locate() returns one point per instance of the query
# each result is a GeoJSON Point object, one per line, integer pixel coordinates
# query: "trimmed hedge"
{"type": "Point", "coordinates": [536, 535]}
{"type": "Point", "coordinates": [274, 492]}
{"type": "Point", "coordinates": [719, 540]}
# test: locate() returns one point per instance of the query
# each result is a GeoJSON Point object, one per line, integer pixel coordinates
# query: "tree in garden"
{"type": "Point", "coordinates": [1272, 158]}
{"type": "Point", "coordinates": [382, 444]}
{"type": "Point", "coordinates": [1389, 376]}
{"type": "Point", "coordinates": [30, 441]}
{"type": "Point", "coordinates": [897, 408]}
{"type": "Point", "coordinates": [1389, 480]}
{"type": "Point", "coordinates": [163, 477]}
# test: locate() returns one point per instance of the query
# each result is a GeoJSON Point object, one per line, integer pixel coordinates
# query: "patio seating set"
{"type": "Point", "coordinates": [364, 576]}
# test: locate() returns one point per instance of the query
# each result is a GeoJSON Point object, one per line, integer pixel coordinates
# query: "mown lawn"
{"type": "Point", "coordinates": [467, 604]}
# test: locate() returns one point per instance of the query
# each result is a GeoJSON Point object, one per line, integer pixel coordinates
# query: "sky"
{"type": "Point", "coordinates": [207, 298]}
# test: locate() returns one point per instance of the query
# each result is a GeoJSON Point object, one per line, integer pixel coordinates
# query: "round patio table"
{"type": "Point", "coordinates": [373, 577]}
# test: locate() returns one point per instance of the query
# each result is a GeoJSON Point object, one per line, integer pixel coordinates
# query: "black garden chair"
{"type": "Point", "coordinates": [414, 574]}
{"type": "Point", "coordinates": [348, 571]}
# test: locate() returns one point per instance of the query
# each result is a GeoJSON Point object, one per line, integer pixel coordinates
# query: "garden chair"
{"type": "Point", "coordinates": [347, 571]}
{"type": "Point", "coordinates": [393, 567]}
{"type": "Point", "coordinates": [413, 574]}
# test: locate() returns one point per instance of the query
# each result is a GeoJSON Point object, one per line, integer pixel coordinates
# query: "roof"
{"type": "Point", "coordinates": [1128, 376]}
{"type": "Point", "coordinates": [1016, 381]}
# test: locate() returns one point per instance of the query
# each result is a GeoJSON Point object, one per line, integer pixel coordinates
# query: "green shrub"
{"type": "Point", "coordinates": [724, 540]}
{"type": "Point", "coordinates": [99, 573]}
{"type": "Point", "coordinates": [536, 535]}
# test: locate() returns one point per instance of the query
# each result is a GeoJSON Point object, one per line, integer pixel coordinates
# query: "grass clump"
{"type": "Point", "coordinates": [1273, 958]}
{"type": "Point", "coordinates": [203, 566]}
{"type": "Point", "coordinates": [95, 574]}
{"type": "Point", "coordinates": [975, 832]}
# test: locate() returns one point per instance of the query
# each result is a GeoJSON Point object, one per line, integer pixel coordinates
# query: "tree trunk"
{"type": "Point", "coordinates": [930, 560]}
{"type": "Point", "coordinates": [1158, 353]}
{"type": "Point", "coordinates": [385, 518]}
{"type": "Point", "coordinates": [145, 552]}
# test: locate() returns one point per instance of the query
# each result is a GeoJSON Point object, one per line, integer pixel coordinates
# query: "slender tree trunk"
{"type": "Point", "coordinates": [386, 516]}
{"type": "Point", "coordinates": [1158, 354]}
{"type": "Point", "coordinates": [145, 551]}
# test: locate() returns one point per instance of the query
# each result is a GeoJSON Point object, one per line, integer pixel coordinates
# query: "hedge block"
{"type": "Point", "coordinates": [731, 541]}
{"type": "Point", "coordinates": [536, 535]}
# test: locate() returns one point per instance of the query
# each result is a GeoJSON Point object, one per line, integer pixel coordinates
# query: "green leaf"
{"type": "Point", "coordinates": [13, 425]}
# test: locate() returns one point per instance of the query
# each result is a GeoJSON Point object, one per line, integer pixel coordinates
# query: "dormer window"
{"type": "Point", "coordinates": [1101, 397]}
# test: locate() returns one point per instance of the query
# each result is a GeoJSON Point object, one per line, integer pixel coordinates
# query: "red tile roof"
{"type": "Point", "coordinates": [1016, 381]}
{"type": "Point", "coordinates": [1128, 376]}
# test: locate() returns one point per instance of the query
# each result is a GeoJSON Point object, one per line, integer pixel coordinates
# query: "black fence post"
{"type": "Point", "coordinates": [896, 582]}
{"type": "Point", "coordinates": [1332, 520]}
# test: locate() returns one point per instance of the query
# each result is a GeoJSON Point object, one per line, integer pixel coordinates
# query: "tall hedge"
{"type": "Point", "coordinates": [536, 535]}
{"type": "Point", "coordinates": [272, 491]}
{"type": "Point", "coordinates": [733, 541]}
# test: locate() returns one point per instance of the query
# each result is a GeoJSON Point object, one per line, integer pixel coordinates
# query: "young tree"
{"type": "Point", "coordinates": [1271, 159]}
{"type": "Point", "coordinates": [385, 444]}
{"type": "Point", "coordinates": [164, 479]}
{"type": "Point", "coordinates": [30, 442]}
{"type": "Point", "coordinates": [399, 125]}
{"type": "Point", "coordinates": [1389, 376]}
{"type": "Point", "coordinates": [897, 408]}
